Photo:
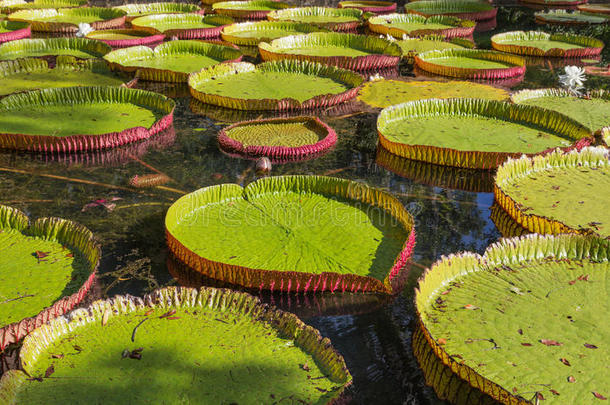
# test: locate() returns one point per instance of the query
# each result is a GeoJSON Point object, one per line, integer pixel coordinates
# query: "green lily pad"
{"type": "Point", "coordinates": [183, 26]}
{"type": "Point", "coordinates": [304, 85]}
{"type": "Point", "coordinates": [530, 309]}
{"type": "Point", "coordinates": [13, 30]}
{"type": "Point", "coordinates": [375, 7]}
{"type": "Point", "coordinates": [469, 10]}
{"type": "Point", "coordinates": [537, 43]}
{"type": "Point", "coordinates": [172, 61]}
{"type": "Point", "coordinates": [384, 93]}
{"type": "Point", "coordinates": [78, 47]}
{"type": "Point", "coordinates": [123, 38]}
{"type": "Point", "coordinates": [31, 74]}
{"type": "Point", "coordinates": [280, 234]}
{"type": "Point", "coordinates": [473, 133]}
{"type": "Point", "coordinates": [81, 118]}
{"type": "Point", "coordinates": [47, 268]}
{"type": "Point", "coordinates": [251, 33]}
{"type": "Point", "coordinates": [251, 9]}
{"type": "Point", "coordinates": [399, 25]}
{"type": "Point", "coordinates": [414, 46]}
{"type": "Point", "coordinates": [336, 19]}
{"type": "Point", "coordinates": [595, 8]}
{"type": "Point", "coordinates": [563, 17]}
{"type": "Point", "coordinates": [558, 192]}
{"type": "Point", "coordinates": [471, 64]}
{"type": "Point", "coordinates": [67, 19]}
{"type": "Point", "coordinates": [143, 9]}
{"type": "Point", "coordinates": [592, 111]}
{"type": "Point", "coordinates": [10, 26]}
{"type": "Point", "coordinates": [176, 346]}
{"type": "Point", "coordinates": [12, 6]}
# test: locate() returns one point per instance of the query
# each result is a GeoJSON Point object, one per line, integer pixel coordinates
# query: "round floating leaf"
{"type": "Point", "coordinates": [47, 269]}
{"type": "Point", "coordinates": [294, 233]}
{"type": "Point", "coordinates": [13, 30]}
{"type": "Point", "coordinates": [537, 43]}
{"type": "Point", "coordinates": [336, 19]}
{"type": "Point", "coordinates": [279, 85]}
{"type": "Point", "coordinates": [177, 345]}
{"type": "Point", "coordinates": [248, 10]}
{"type": "Point", "coordinates": [66, 20]}
{"type": "Point", "coordinates": [554, 3]}
{"type": "Point", "coordinates": [278, 138]}
{"type": "Point", "coordinates": [375, 7]}
{"type": "Point", "coordinates": [414, 46]}
{"type": "Point", "coordinates": [50, 47]}
{"type": "Point", "coordinates": [471, 64]}
{"type": "Point", "coordinates": [558, 192]}
{"type": "Point", "coordinates": [123, 38]}
{"type": "Point", "coordinates": [595, 8]}
{"type": "Point", "coordinates": [9, 7]}
{"type": "Point", "coordinates": [251, 33]}
{"type": "Point", "coordinates": [592, 111]}
{"type": "Point", "coordinates": [30, 74]}
{"type": "Point", "coordinates": [529, 308]}
{"type": "Point", "coordinates": [468, 10]}
{"type": "Point", "coordinates": [143, 9]}
{"type": "Point", "coordinates": [172, 61]}
{"type": "Point", "coordinates": [399, 25]}
{"type": "Point", "coordinates": [81, 118]}
{"type": "Point", "coordinates": [562, 17]}
{"type": "Point", "coordinates": [348, 51]}
{"type": "Point", "coordinates": [384, 93]}
{"type": "Point", "coordinates": [183, 26]}
{"type": "Point", "coordinates": [474, 133]}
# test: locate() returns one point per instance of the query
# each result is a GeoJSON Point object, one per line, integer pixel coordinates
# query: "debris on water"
{"type": "Point", "coordinates": [263, 166]}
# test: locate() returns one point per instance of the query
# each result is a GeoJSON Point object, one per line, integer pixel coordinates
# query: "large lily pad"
{"type": "Point", "coordinates": [279, 85]}
{"type": "Point", "coordinates": [12, 6]}
{"type": "Point", "coordinates": [123, 38]}
{"type": "Point", "coordinates": [414, 46]}
{"type": "Point", "coordinates": [81, 118]}
{"type": "Point", "coordinates": [555, 3]}
{"type": "Point", "coordinates": [177, 345]}
{"type": "Point", "coordinates": [171, 61]}
{"type": "Point", "coordinates": [471, 64]}
{"type": "Point", "coordinates": [530, 309]}
{"type": "Point", "coordinates": [468, 10]}
{"type": "Point", "coordinates": [399, 25]}
{"type": "Point", "coordinates": [66, 20]}
{"type": "Point", "coordinates": [294, 233]}
{"type": "Point", "coordinates": [31, 74]}
{"type": "Point", "coordinates": [562, 17]}
{"type": "Point", "coordinates": [557, 193]}
{"type": "Point", "coordinates": [13, 30]}
{"type": "Point", "coordinates": [50, 47]}
{"type": "Point", "coordinates": [348, 51]}
{"type": "Point", "coordinates": [251, 33]}
{"type": "Point", "coordinates": [183, 26]}
{"type": "Point", "coordinates": [537, 43]}
{"type": "Point", "coordinates": [248, 10]}
{"type": "Point", "coordinates": [595, 8]}
{"type": "Point", "coordinates": [47, 268]}
{"type": "Point", "coordinates": [144, 9]}
{"type": "Point", "coordinates": [592, 111]}
{"type": "Point", "coordinates": [384, 93]}
{"type": "Point", "coordinates": [474, 133]}
{"type": "Point", "coordinates": [366, 6]}
{"type": "Point", "coordinates": [335, 19]}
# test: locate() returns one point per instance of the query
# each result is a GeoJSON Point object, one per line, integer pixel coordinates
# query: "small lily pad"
{"type": "Point", "coordinates": [144, 9]}
{"type": "Point", "coordinates": [183, 26]}
{"type": "Point", "coordinates": [335, 19]}
{"type": "Point", "coordinates": [248, 10]}
{"type": "Point", "coordinates": [251, 33]}
{"type": "Point", "coordinates": [563, 17]}
{"type": "Point", "coordinates": [375, 7]}
{"type": "Point", "coordinates": [66, 20]}
{"type": "Point", "coordinates": [468, 10]}
{"type": "Point", "coordinates": [537, 43]}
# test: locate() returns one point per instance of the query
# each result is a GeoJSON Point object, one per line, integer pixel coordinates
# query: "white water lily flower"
{"type": "Point", "coordinates": [375, 77]}
{"type": "Point", "coordinates": [83, 30]}
{"type": "Point", "coordinates": [573, 78]}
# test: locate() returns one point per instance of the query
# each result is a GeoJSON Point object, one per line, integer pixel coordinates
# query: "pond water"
{"type": "Point", "coordinates": [374, 335]}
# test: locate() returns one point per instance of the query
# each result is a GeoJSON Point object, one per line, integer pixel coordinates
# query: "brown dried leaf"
{"type": "Point", "coordinates": [554, 392]}
{"type": "Point", "coordinates": [470, 306]}
{"type": "Point", "coordinates": [520, 331]}
{"type": "Point", "coordinates": [583, 277]}
{"type": "Point", "coordinates": [169, 313]}
{"type": "Point", "coordinates": [77, 348]}
{"type": "Point", "coordinates": [442, 341]}
{"type": "Point", "coordinates": [565, 361]}
{"type": "Point", "coordinates": [599, 396]}
{"type": "Point", "coordinates": [572, 282]}
{"type": "Point", "coordinates": [105, 317]}
{"type": "Point", "coordinates": [49, 371]}
{"type": "Point", "coordinates": [526, 344]}
{"type": "Point", "coordinates": [539, 396]}
{"type": "Point", "coordinates": [173, 317]}
{"type": "Point", "coordinates": [57, 356]}
{"type": "Point", "coordinates": [150, 311]}
{"type": "Point", "coordinates": [571, 379]}
{"type": "Point", "coordinates": [305, 367]}
{"type": "Point", "coordinates": [550, 342]}
{"type": "Point", "coordinates": [590, 346]}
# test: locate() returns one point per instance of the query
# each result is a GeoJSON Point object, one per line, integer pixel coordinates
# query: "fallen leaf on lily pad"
{"type": "Point", "coordinates": [590, 346]}
{"type": "Point", "coordinates": [599, 396]}
{"type": "Point", "coordinates": [470, 306]}
{"type": "Point", "coordinates": [554, 392]}
{"type": "Point", "coordinates": [442, 341]}
{"type": "Point", "coordinates": [549, 342]}
{"type": "Point", "coordinates": [565, 361]}
{"type": "Point", "coordinates": [571, 379]}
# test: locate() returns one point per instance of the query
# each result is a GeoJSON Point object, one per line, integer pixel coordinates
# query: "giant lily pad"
{"type": "Point", "coordinates": [251, 33]}
{"type": "Point", "coordinates": [171, 61]}
{"type": "Point", "coordinates": [562, 17]}
{"type": "Point", "coordinates": [474, 133]}
{"type": "Point", "coordinates": [399, 25]}
{"type": "Point", "coordinates": [81, 118]}
{"type": "Point", "coordinates": [592, 111]}
{"type": "Point", "coordinates": [123, 38]}
{"type": "Point", "coordinates": [46, 269]}
{"type": "Point", "coordinates": [555, 3]}
{"type": "Point", "coordinates": [66, 20]}
{"type": "Point", "coordinates": [595, 8]}
{"type": "Point", "coordinates": [294, 233]}
{"type": "Point", "coordinates": [557, 193]}
{"type": "Point", "coordinates": [348, 51]}
{"type": "Point", "coordinates": [529, 308]}
{"type": "Point", "coordinates": [468, 10]}
{"type": "Point", "coordinates": [183, 26]}
{"type": "Point", "coordinates": [144, 9]}
{"type": "Point", "coordinates": [278, 138]}
{"type": "Point", "coordinates": [177, 345]}
{"type": "Point", "coordinates": [50, 47]}
{"type": "Point", "coordinates": [537, 43]}
{"type": "Point", "coordinates": [12, 6]}
{"type": "Point", "coordinates": [471, 64]}
{"type": "Point", "coordinates": [366, 6]}
{"type": "Point", "coordinates": [13, 30]}
{"type": "Point", "coordinates": [414, 46]}
{"type": "Point", "coordinates": [279, 85]}
{"type": "Point", "coordinates": [248, 10]}
{"type": "Point", "coordinates": [31, 74]}
{"type": "Point", "coordinates": [336, 19]}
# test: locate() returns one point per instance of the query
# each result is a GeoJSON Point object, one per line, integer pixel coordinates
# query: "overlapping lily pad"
{"type": "Point", "coordinates": [251, 33]}
{"type": "Point", "coordinates": [399, 25]}
{"type": "Point", "coordinates": [557, 193]}
{"type": "Point", "coordinates": [51, 47]}
{"type": "Point", "coordinates": [47, 268]}
{"type": "Point", "coordinates": [248, 10]}
{"type": "Point", "coordinates": [563, 17]}
{"type": "Point", "coordinates": [13, 30]}
{"type": "Point", "coordinates": [30, 74]}
{"type": "Point", "coordinates": [12, 6]}
{"type": "Point", "coordinates": [537, 43]}
{"type": "Point", "coordinates": [474, 133]}
{"type": "Point", "coordinates": [554, 3]}
{"type": "Point", "coordinates": [468, 10]}
{"type": "Point", "coordinates": [335, 19]}
{"type": "Point", "coordinates": [81, 118]}
{"type": "Point", "coordinates": [183, 26]}
{"type": "Point", "coordinates": [375, 7]}
{"type": "Point", "coordinates": [123, 38]}
{"type": "Point", "coordinates": [172, 61]}
{"type": "Point", "coordinates": [536, 297]}
{"type": "Point", "coordinates": [177, 345]}
{"type": "Point", "coordinates": [592, 111]}
{"type": "Point", "coordinates": [595, 8]}
{"type": "Point", "coordinates": [413, 46]}
{"type": "Point", "coordinates": [471, 64]}
{"type": "Point", "coordinates": [66, 20]}
{"type": "Point", "coordinates": [144, 9]}
{"type": "Point", "coordinates": [294, 233]}
{"type": "Point", "coordinates": [279, 85]}
{"type": "Point", "coordinates": [348, 51]}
